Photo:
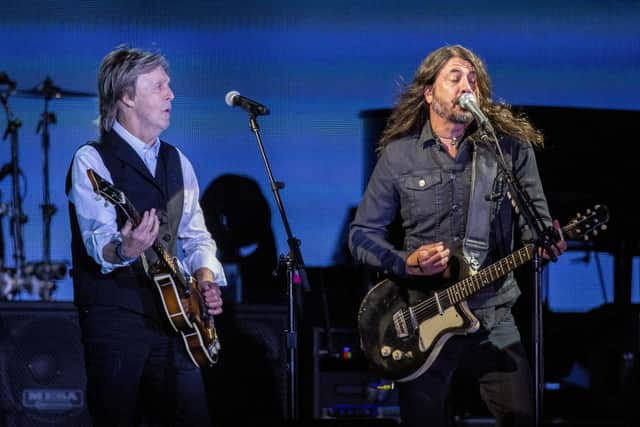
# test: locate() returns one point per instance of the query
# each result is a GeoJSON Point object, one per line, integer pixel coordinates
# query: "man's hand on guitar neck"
{"type": "Point", "coordinates": [134, 240]}
{"type": "Point", "coordinates": [137, 240]}
{"type": "Point", "coordinates": [560, 246]}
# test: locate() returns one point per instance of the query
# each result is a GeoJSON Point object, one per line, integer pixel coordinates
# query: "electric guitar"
{"type": "Point", "coordinates": [181, 298]}
{"type": "Point", "coordinates": [404, 324]}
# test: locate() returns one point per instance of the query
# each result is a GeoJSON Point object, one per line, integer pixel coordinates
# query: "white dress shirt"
{"type": "Point", "coordinates": [97, 217]}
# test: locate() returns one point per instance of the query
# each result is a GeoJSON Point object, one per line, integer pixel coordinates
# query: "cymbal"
{"type": "Point", "coordinates": [48, 90]}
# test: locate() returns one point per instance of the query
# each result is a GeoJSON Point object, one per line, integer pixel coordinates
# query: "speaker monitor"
{"type": "Point", "coordinates": [42, 376]}
{"type": "Point", "coordinates": [249, 383]}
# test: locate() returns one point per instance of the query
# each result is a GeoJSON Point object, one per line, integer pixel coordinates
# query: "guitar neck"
{"type": "Point", "coordinates": [579, 228]}
{"type": "Point", "coordinates": [472, 284]}
{"type": "Point", "coordinates": [165, 258]}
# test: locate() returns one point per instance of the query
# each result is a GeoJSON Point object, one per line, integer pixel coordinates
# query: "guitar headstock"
{"type": "Point", "coordinates": [583, 225]}
{"type": "Point", "coordinates": [105, 189]}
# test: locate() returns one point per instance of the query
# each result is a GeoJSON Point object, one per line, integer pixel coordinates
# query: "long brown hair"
{"type": "Point", "coordinates": [411, 111]}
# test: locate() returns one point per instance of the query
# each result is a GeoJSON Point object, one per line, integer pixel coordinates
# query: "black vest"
{"type": "Point", "coordinates": [129, 287]}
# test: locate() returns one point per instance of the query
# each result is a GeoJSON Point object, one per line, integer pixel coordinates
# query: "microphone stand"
{"type": "Point", "coordinates": [545, 238]}
{"type": "Point", "coordinates": [292, 262]}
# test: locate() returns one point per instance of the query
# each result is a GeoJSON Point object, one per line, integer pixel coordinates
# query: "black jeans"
{"type": "Point", "coordinates": [138, 373]}
{"type": "Point", "coordinates": [502, 372]}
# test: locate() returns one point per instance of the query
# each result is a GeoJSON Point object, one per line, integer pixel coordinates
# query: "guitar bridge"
{"type": "Point", "coordinates": [400, 324]}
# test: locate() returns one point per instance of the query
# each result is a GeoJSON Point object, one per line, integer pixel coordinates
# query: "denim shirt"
{"type": "Point", "coordinates": [417, 181]}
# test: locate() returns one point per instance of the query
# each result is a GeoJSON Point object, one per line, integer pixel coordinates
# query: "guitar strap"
{"type": "Point", "coordinates": [484, 169]}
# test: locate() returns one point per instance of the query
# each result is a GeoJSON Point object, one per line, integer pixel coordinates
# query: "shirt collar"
{"type": "Point", "coordinates": [426, 134]}
{"type": "Point", "coordinates": [138, 146]}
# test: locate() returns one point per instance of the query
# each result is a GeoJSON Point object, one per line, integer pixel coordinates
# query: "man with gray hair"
{"type": "Point", "coordinates": [139, 370]}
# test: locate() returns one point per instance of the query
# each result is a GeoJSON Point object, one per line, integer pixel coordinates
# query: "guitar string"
{"type": "Point", "coordinates": [430, 305]}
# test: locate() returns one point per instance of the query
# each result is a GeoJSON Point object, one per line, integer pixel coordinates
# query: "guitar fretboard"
{"type": "Point", "coordinates": [472, 284]}
{"type": "Point", "coordinates": [462, 290]}
{"type": "Point", "coordinates": [164, 256]}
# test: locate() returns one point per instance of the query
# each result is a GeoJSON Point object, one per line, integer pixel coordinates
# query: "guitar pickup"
{"type": "Point", "coordinates": [400, 324]}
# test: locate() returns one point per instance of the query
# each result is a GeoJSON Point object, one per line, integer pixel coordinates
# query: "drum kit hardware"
{"type": "Point", "coordinates": [35, 277]}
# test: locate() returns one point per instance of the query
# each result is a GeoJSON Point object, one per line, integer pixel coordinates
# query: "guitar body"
{"type": "Point", "coordinates": [201, 341]}
{"type": "Point", "coordinates": [187, 315]}
{"type": "Point", "coordinates": [401, 351]}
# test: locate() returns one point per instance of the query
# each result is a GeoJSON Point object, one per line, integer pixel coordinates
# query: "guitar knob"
{"type": "Point", "coordinates": [409, 355]}
{"type": "Point", "coordinates": [385, 351]}
{"type": "Point", "coordinates": [396, 355]}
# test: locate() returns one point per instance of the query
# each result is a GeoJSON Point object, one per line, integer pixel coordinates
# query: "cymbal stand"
{"type": "Point", "coordinates": [8, 288]}
{"type": "Point", "coordinates": [48, 209]}
{"type": "Point", "coordinates": [17, 216]}
{"type": "Point", "coordinates": [3, 211]}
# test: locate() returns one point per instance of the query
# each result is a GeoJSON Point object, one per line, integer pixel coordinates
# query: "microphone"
{"type": "Point", "coordinates": [233, 99]}
{"type": "Point", "coordinates": [468, 102]}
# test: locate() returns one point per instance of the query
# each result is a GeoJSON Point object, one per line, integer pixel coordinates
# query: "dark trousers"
{"type": "Point", "coordinates": [496, 360]}
{"type": "Point", "coordinates": [139, 373]}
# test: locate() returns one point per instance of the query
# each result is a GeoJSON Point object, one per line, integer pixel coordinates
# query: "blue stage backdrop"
{"type": "Point", "coordinates": [315, 64]}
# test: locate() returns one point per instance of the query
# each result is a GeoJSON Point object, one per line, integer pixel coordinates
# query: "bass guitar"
{"type": "Point", "coordinates": [403, 324]}
{"type": "Point", "coordinates": [181, 298]}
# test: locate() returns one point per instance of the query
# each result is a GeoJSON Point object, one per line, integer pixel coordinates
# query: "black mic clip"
{"type": "Point", "coordinates": [493, 197]}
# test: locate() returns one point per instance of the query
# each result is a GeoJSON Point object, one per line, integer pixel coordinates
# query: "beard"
{"type": "Point", "coordinates": [449, 113]}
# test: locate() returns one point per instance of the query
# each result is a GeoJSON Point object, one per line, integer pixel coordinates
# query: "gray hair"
{"type": "Point", "coordinates": [117, 76]}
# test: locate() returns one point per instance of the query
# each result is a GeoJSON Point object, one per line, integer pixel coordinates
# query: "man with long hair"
{"type": "Point", "coordinates": [139, 371]}
{"type": "Point", "coordinates": [433, 159]}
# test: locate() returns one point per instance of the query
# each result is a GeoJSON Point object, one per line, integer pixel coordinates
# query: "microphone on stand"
{"type": "Point", "coordinates": [468, 102]}
{"type": "Point", "coordinates": [234, 99]}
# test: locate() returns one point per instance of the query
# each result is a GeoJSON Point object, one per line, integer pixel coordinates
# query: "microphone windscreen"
{"type": "Point", "coordinates": [228, 98]}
